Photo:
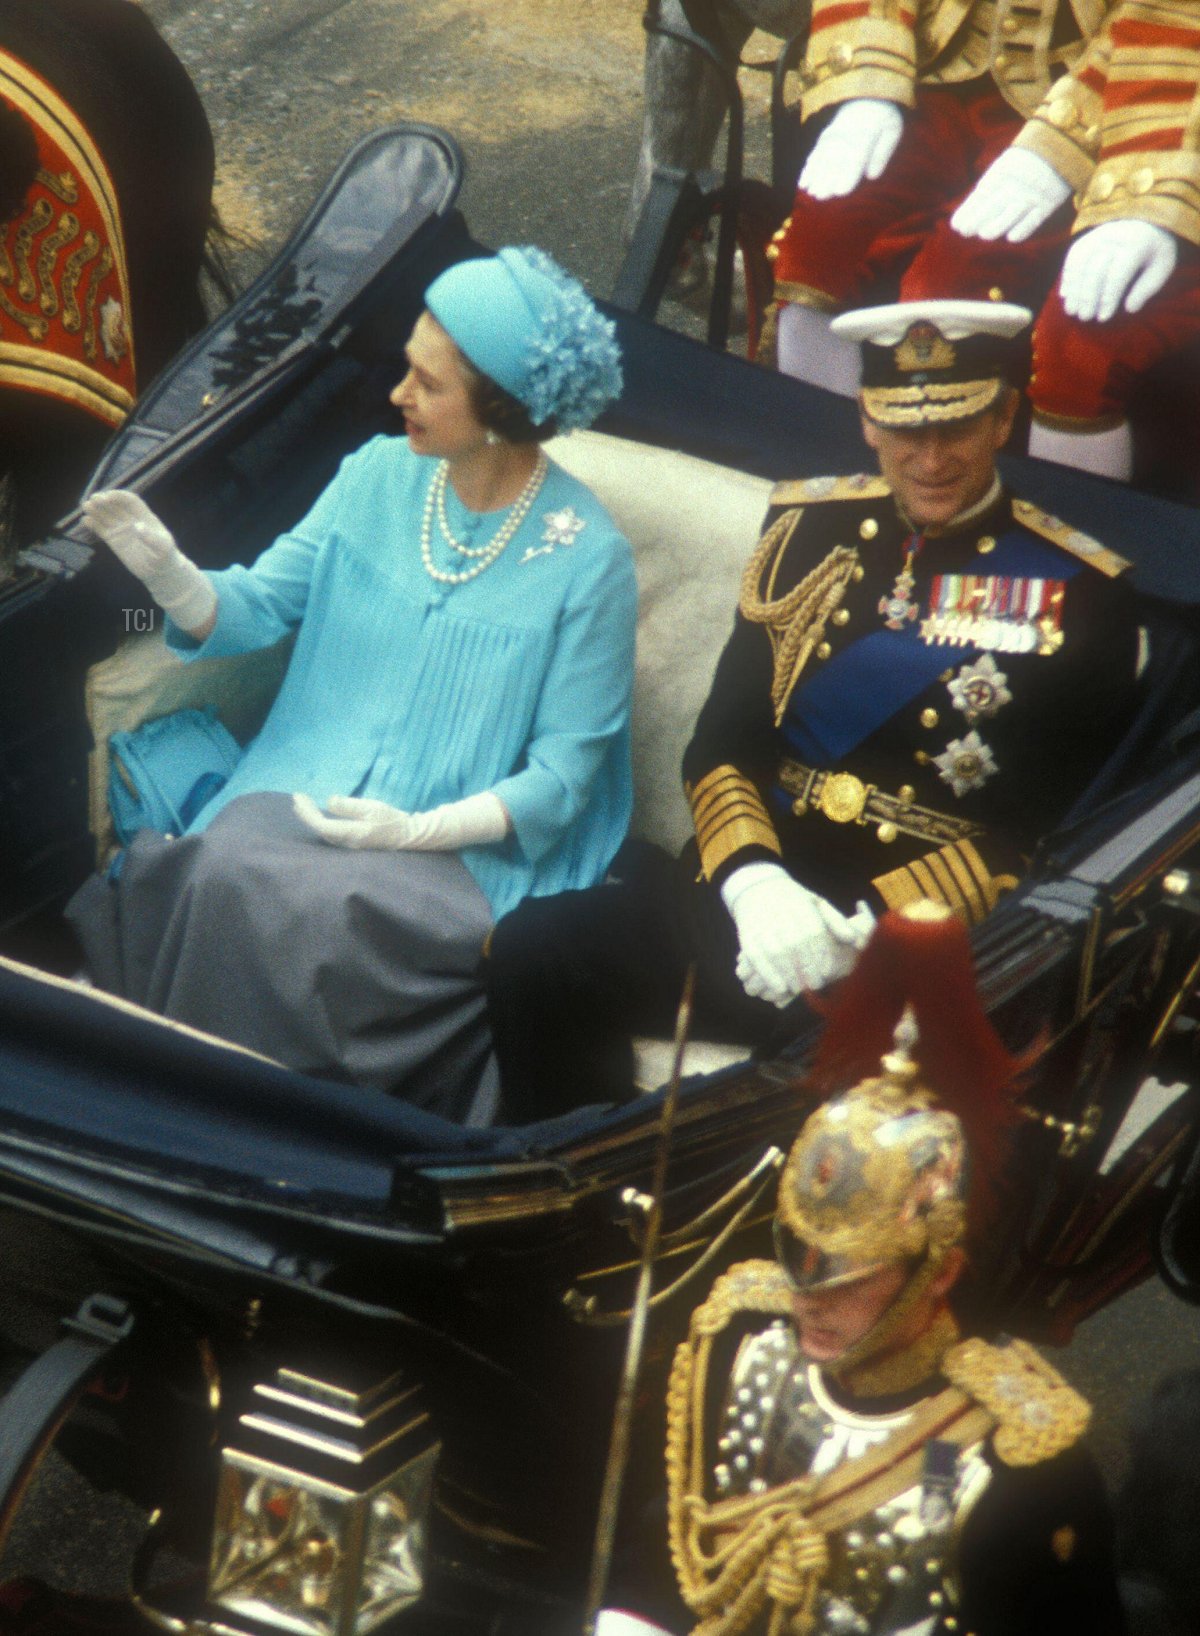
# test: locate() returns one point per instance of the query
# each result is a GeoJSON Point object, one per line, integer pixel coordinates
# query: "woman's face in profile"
{"type": "Point", "coordinates": [439, 417]}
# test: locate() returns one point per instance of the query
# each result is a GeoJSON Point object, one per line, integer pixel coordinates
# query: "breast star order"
{"type": "Point", "coordinates": [966, 763]}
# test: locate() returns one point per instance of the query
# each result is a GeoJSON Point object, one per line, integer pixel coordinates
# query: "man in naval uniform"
{"type": "Point", "coordinates": [923, 677]}
{"type": "Point", "coordinates": [840, 1460]}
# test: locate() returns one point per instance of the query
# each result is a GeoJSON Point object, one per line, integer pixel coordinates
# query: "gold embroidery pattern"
{"type": "Point", "coordinates": [1038, 1415]}
{"type": "Point", "coordinates": [72, 320]}
{"type": "Point", "coordinates": [63, 186]}
{"type": "Point", "coordinates": [796, 622]}
{"type": "Point", "coordinates": [66, 231]}
{"type": "Point", "coordinates": [728, 814]}
{"type": "Point", "coordinates": [91, 342]}
{"type": "Point", "coordinates": [38, 220]}
{"type": "Point", "coordinates": [34, 326]}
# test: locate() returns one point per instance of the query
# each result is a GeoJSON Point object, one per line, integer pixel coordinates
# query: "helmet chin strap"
{"type": "Point", "coordinates": [870, 1368]}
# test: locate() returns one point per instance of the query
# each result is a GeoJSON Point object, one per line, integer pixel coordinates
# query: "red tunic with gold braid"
{"type": "Point", "coordinates": [1124, 130]}
{"type": "Point", "coordinates": [969, 72]}
{"type": "Point", "coordinates": [64, 281]}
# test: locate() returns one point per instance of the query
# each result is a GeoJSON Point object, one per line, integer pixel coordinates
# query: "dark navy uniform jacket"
{"type": "Point", "coordinates": [965, 707]}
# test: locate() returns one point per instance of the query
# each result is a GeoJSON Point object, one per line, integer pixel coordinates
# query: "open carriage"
{"type": "Point", "coordinates": [359, 1362]}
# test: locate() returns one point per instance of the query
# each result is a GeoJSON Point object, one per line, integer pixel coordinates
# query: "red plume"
{"type": "Point", "coordinates": [924, 961]}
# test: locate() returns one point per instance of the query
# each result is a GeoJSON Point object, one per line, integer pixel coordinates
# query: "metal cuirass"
{"type": "Point", "coordinates": [891, 1573]}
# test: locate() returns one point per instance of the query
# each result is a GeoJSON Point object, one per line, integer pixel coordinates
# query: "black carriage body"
{"type": "Point", "coordinates": [250, 1217]}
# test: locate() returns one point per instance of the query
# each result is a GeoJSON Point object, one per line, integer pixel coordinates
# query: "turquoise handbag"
{"type": "Point", "coordinates": [166, 770]}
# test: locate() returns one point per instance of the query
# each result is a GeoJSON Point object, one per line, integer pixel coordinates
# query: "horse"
{"type": "Point", "coordinates": [683, 99]}
{"type": "Point", "coordinates": [106, 174]}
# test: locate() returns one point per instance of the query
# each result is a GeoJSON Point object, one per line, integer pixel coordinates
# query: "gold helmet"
{"type": "Point", "coordinates": [876, 1176]}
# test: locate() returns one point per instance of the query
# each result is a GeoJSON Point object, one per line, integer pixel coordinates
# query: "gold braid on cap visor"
{"type": "Point", "coordinates": [934, 402]}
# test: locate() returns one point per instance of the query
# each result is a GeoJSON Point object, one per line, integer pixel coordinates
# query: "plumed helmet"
{"type": "Point", "coordinates": [876, 1176]}
{"type": "Point", "coordinates": [885, 1169]}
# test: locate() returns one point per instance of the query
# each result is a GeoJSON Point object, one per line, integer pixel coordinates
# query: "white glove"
{"type": "Point", "coordinates": [479, 820]}
{"type": "Point", "coordinates": [611, 1622]}
{"type": "Point", "coordinates": [1121, 262]}
{"type": "Point", "coordinates": [1014, 196]}
{"type": "Point", "coordinates": [147, 548]}
{"type": "Point", "coordinates": [790, 939]}
{"type": "Point", "coordinates": [854, 147]}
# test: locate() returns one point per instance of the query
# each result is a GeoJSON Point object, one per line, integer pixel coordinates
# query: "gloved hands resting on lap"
{"type": "Point", "coordinates": [1121, 263]}
{"type": "Point", "coordinates": [364, 825]}
{"type": "Point", "coordinates": [147, 547]}
{"type": "Point", "coordinates": [790, 939]}
{"type": "Point", "coordinates": [854, 147]}
{"type": "Point", "coordinates": [1014, 196]}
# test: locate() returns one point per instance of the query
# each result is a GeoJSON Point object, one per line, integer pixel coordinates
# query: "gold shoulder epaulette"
{"type": "Point", "coordinates": [805, 491]}
{"type": "Point", "coordinates": [750, 1286]}
{"type": "Point", "coordinates": [1037, 1414]}
{"type": "Point", "coordinates": [1070, 539]}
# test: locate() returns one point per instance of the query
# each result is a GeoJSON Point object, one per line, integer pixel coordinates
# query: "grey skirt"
{"type": "Point", "coordinates": [358, 966]}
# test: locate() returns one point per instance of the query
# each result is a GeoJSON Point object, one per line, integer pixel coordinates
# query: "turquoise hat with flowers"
{"type": "Point", "coordinates": [524, 321]}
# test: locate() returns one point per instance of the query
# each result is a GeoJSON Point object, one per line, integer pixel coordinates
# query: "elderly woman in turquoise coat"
{"type": "Point", "coordinates": [452, 733]}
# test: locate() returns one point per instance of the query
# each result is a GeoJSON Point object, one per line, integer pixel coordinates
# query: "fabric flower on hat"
{"type": "Point", "coordinates": [573, 367]}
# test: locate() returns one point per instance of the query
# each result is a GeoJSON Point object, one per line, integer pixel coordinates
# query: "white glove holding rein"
{"type": "Point", "coordinates": [790, 939]}
{"type": "Point", "coordinates": [854, 147]}
{"type": "Point", "coordinates": [1014, 196]}
{"type": "Point", "coordinates": [365, 825]}
{"type": "Point", "coordinates": [147, 547]}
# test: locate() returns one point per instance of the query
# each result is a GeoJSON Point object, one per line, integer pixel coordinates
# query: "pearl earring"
{"type": "Point", "coordinates": [491, 437]}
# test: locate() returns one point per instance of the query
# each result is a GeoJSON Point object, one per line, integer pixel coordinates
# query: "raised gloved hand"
{"type": "Point", "coordinates": [349, 820]}
{"type": "Point", "coordinates": [790, 939]}
{"type": "Point", "coordinates": [854, 147]}
{"type": "Point", "coordinates": [146, 546]}
{"type": "Point", "coordinates": [1119, 263]}
{"type": "Point", "coordinates": [1014, 196]}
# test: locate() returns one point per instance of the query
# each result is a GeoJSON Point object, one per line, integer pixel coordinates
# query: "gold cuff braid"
{"type": "Point", "coordinates": [955, 875]}
{"type": "Point", "coordinates": [728, 814]}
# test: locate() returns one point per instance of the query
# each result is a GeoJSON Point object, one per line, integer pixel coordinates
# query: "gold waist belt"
{"type": "Point", "coordinates": [845, 799]}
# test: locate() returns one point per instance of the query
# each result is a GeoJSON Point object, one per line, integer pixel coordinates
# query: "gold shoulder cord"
{"type": "Point", "coordinates": [794, 622]}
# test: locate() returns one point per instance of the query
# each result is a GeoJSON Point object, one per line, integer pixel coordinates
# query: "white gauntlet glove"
{"type": "Point", "coordinates": [854, 147]}
{"type": "Point", "coordinates": [147, 548]}
{"type": "Point", "coordinates": [1125, 262]}
{"type": "Point", "coordinates": [1014, 196]}
{"type": "Point", "coordinates": [790, 939]}
{"type": "Point", "coordinates": [479, 820]}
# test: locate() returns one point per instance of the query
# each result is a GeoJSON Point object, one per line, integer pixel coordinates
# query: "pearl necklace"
{"type": "Point", "coordinates": [484, 555]}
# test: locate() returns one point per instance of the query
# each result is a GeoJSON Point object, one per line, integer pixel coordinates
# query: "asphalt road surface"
{"type": "Point", "coordinates": [545, 98]}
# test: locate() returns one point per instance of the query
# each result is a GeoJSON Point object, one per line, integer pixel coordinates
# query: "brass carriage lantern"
{"type": "Point", "coordinates": [320, 1517]}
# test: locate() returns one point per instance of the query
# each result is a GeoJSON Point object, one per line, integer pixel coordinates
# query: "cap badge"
{"type": "Point", "coordinates": [924, 347]}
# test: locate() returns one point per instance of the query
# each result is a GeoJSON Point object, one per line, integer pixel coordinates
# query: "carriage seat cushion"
{"type": "Point", "coordinates": [692, 526]}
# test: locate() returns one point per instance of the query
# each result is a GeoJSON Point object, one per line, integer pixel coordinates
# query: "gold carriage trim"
{"type": "Point", "coordinates": [1038, 1415]}
{"type": "Point", "coordinates": [65, 327]}
{"type": "Point", "coordinates": [935, 401]}
{"type": "Point", "coordinates": [728, 814]}
{"type": "Point", "coordinates": [1072, 540]}
{"type": "Point", "coordinates": [954, 875]}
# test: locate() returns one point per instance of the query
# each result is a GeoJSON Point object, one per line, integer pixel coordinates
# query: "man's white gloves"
{"type": "Point", "coordinates": [146, 546]}
{"type": "Point", "coordinates": [854, 147]}
{"type": "Point", "coordinates": [790, 939]}
{"type": "Point", "coordinates": [1121, 263]}
{"type": "Point", "coordinates": [349, 820]}
{"type": "Point", "coordinates": [1014, 196]}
